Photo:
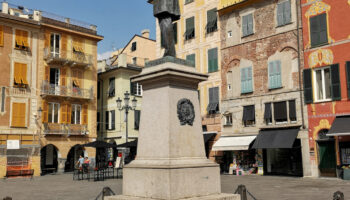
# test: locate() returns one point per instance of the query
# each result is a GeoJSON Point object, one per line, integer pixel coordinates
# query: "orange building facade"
{"type": "Point", "coordinates": [326, 36]}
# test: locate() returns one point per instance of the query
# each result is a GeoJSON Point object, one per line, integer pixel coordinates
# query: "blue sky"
{"type": "Point", "coordinates": [116, 20]}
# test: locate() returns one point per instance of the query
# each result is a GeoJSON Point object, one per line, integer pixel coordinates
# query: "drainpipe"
{"type": "Point", "coordinates": [299, 63]}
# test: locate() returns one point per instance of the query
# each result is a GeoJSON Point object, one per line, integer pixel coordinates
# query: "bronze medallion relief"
{"type": "Point", "coordinates": [185, 112]}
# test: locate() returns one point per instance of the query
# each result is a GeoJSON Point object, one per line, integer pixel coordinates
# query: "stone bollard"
{"type": "Point", "coordinates": [242, 191]}
{"type": "Point", "coordinates": [338, 195]}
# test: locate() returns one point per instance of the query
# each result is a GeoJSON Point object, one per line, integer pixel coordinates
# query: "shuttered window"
{"type": "Point", "coordinates": [107, 120]}
{"type": "Point", "coordinates": [78, 45]}
{"type": "Point", "coordinates": [323, 84]}
{"type": "Point", "coordinates": [191, 58]}
{"type": "Point", "coordinates": [112, 120]}
{"type": "Point", "coordinates": [20, 74]}
{"type": "Point", "coordinates": [335, 84]}
{"type": "Point", "coordinates": [213, 106]}
{"type": "Point", "coordinates": [44, 114]}
{"type": "Point", "coordinates": [318, 30]}
{"type": "Point", "coordinates": [18, 115]}
{"type": "Point", "coordinates": [280, 112]}
{"type": "Point", "coordinates": [284, 14]}
{"type": "Point", "coordinates": [292, 111]}
{"type": "Point", "coordinates": [248, 117]}
{"type": "Point", "coordinates": [53, 112]}
{"type": "Point", "coordinates": [246, 80]}
{"type": "Point", "coordinates": [76, 114]}
{"type": "Point", "coordinates": [21, 39]}
{"type": "Point", "coordinates": [275, 80]}
{"type": "Point", "coordinates": [307, 86]}
{"type": "Point", "coordinates": [213, 60]}
{"type": "Point", "coordinates": [63, 76]}
{"type": "Point", "coordinates": [64, 113]}
{"type": "Point", "coordinates": [55, 45]}
{"type": "Point", "coordinates": [133, 46]}
{"type": "Point", "coordinates": [247, 25]}
{"type": "Point", "coordinates": [190, 30]}
{"type": "Point", "coordinates": [1, 35]}
{"type": "Point", "coordinates": [111, 89]}
{"type": "Point", "coordinates": [211, 21]}
{"type": "Point", "coordinates": [268, 114]}
{"type": "Point", "coordinates": [348, 77]}
{"type": "Point", "coordinates": [137, 115]}
{"type": "Point", "coordinates": [3, 95]}
{"type": "Point", "coordinates": [85, 114]}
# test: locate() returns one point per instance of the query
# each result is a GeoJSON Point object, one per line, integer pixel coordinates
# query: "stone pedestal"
{"type": "Point", "coordinates": [171, 162]}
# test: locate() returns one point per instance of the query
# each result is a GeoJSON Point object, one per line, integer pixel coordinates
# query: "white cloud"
{"type": "Point", "coordinates": [104, 55]}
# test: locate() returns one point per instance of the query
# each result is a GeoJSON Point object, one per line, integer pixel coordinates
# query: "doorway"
{"type": "Point", "coordinates": [73, 156]}
{"type": "Point", "coordinates": [49, 161]}
{"type": "Point", "coordinates": [327, 158]}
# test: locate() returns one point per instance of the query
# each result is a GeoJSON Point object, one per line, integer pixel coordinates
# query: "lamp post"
{"type": "Point", "coordinates": [126, 107]}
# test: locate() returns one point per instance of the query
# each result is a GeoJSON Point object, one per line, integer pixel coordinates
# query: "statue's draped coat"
{"type": "Point", "coordinates": [166, 8]}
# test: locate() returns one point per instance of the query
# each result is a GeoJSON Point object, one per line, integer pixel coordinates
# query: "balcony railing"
{"type": "Point", "coordinates": [70, 58]}
{"type": "Point", "coordinates": [65, 129]}
{"type": "Point", "coordinates": [20, 91]}
{"type": "Point", "coordinates": [65, 91]}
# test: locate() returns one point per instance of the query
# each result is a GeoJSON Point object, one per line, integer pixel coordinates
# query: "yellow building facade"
{"type": "Point", "coordinates": [198, 40]}
{"type": "Point", "coordinates": [114, 81]}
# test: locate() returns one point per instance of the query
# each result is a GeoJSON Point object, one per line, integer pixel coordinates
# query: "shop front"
{"type": "Point", "coordinates": [238, 158]}
{"type": "Point", "coordinates": [282, 154]}
{"type": "Point", "coordinates": [340, 130]}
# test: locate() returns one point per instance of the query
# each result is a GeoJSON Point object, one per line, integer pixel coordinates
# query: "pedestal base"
{"type": "Point", "coordinates": [221, 196]}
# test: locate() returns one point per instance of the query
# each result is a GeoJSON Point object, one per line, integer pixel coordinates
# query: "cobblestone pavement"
{"type": "Point", "coordinates": [62, 187]}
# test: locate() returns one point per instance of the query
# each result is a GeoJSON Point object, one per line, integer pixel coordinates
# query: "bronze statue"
{"type": "Point", "coordinates": [167, 11]}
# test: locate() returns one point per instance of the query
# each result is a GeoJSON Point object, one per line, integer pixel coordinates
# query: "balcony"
{"type": "Point", "coordinates": [65, 129]}
{"type": "Point", "coordinates": [69, 58]}
{"type": "Point", "coordinates": [48, 89]}
{"type": "Point", "coordinates": [20, 91]}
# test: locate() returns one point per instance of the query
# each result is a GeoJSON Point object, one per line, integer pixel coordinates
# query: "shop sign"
{"type": "Point", "coordinates": [13, 144]}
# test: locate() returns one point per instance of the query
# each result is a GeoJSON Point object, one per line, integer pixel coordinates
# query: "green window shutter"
{"type": "Point", "coordinates": [280, 14]}
{"type": "Point", "coordinates": [335, 83]}
{"type": "Point", "coordinates": [271, 74]}
{"type": "Point", "coordinates": [211, 20]}
{"type": "Point", "coordinates": [348, 77]}
{"type": "Point", "coordinates": [314, 30]}
{"type": "Point", "coordinates": [307, 79]}
{"type": "Point", "coordinates": [211, 95]}
{"type": "Point", "coordinates": [137, 115]}
{"type": "Point", "coordinates": [190, 32]}
{"type": "Point", "coordinates": [243, 78]}
{"type": "Point", "coordinates": [212, 60]}
{"type": "Point", "coordinates": [245, 25]}
{"type": "Point", "coordinates": [107, 120]}
{"type": "Point", "coordinates": [191, 58]}
{"type": "Point", "coordinates": [323, 36]}
{"type": "Point", "coordinates": [278, 74]}
{"type": "Point", "coordinates": [249, 79]}
{"type": "Point", "coordinates": [250, 24]}
{"type": "Point", "coordinates": [175, 32]}
{"type": "Point", "coordinates": [246, 80]}
{"type": "Point", "coordinates": [287, 14]}
{"type": "Point", "coordinates": [216, 94]}
{"type": "Point", "coordinates": [132, 88]}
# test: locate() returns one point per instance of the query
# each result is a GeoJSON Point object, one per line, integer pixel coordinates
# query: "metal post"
{"type": "Point", "coordinates": [242, 191]}
{"type": "Point", "coordinates": [126, 113]}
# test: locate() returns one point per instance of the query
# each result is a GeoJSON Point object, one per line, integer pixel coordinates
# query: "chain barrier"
{"type": "Point", "coordinates": [106, 191]}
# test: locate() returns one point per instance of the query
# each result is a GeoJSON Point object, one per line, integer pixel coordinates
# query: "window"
{"type": "Point", "coordinates": [98, 89]}
{"type": "Point", "coordinates": [318, 30]}
{"type": "Point", "coordinates": [110, 120]}
{"type": "Point", "coordinates": [18, 115]}
{"type": "Point", "coordinates": [76, 111]}
{"type": "Point", "coordinates": [1, 35]}
{"type": "Point", "coordinates": [323, 84]}
{"type": "Point", "coordinates": [247, 25]}
{"type": "Point", "coordinates": [136, 89]}
{"type": "Point", "coordinates": [246, 80]}
{"type": "Point", "coordinates": [78, 46]}
{"type": "Point", "coordinates": [248, 115]}
{"type": "Point", "coordinates": [275, 80]}
{"type": "Point", "coordinates": [133, 46]}
{"type": "Point", "coordinates": [54, 76]}
{"type": "Point", "coordinates": [191, 58]}
{"type": "Point", "coordinates": [137, 115]}
{"type": "Point", "coordinates": [229, 87]}
{"type": "Point", "coordinates": [21, 40]}
{"type": "Point", "coordinates": [20, 74]}
{"type": "Point", "coordinates": [229, 34]}
{"type": "Point", "coordinates": [111, 89]}
{"type": "Point", "coordinates": [53, 112]}
{"type": "Point", "coordinates": [284, 14]}
{"type": "Point", "coordinates": [134, 60]}
{"type": "Point", "coordinates": [190, 31]}
{"type": "Point", "coordinates": [212, 24]}
{"type": "Point", "coordinates": [213, 60]}
{"type": "Point", "coordinates": [3, 95]}
{"type": "Point", "coordinates": [307, 80]}
{"type": "Point", "coordinates": [55, 45]}
{"type": "Point", "coordinates": [228, 119]}
{"type": "Point", "coordinates": [280, 112]}
{"type": "Point", "coordinates": [348, 77]}
{"type": "Point", "coordinates": [188, 1]}
{"type": "Point", "coordinates": [175, 32]}
{"type": "Point", "coordinates": [213, 106]}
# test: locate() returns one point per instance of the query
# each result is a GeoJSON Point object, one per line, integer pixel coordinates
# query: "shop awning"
{"type": "Point", "coordinates": [340, 126]}
{"type": "Point", "coordinates": [276, 138]}
{"type": "Point", "coordinates": [208, 135]}
{"type": "Point", "coordinates": [233, 143]}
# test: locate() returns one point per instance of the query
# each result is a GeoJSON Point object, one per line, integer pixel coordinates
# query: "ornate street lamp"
{"type": "Point", "coordinates": [126, 107]}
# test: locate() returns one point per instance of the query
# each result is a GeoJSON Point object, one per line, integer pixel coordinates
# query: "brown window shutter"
{"type": "Point", "coordinates": [63, 76]}
{"type": "Point", "coordinates": [63, 110]}
{"type": "Point", "coordinates": [18, 37]}
{"type": "Point", "coordinates": [47, 39]}
{"type": "Point", "coordinates": [69, 113]}
{"type": "Point", "coordinates": [14, 121]}
{"type": "Point", "coordinates": [17, 73]}
{"type": "Point", "coordinates": [85, 114]}
{"type": "Point", "coordinates": [1, 36]}
{"type": "Point", "coordinates": [22, 115]}
{"type": "Point", "coordinates": [63, 45]}
{"type": "Point", "coordinates": [25, 38]}
{"type": "Point", "coordinates": [47, 73]}
{"type": "Point", "coordinates": [24, 74]}
{"type": "Point", "coordinates": [45, 112]}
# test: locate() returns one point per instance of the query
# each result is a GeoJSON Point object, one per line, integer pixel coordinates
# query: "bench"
{"type": "Point", "coordinates": [20, 172]}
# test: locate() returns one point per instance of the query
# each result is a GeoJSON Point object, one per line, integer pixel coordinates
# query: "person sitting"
{"type": "Point", "coordinates": [86, 164]}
